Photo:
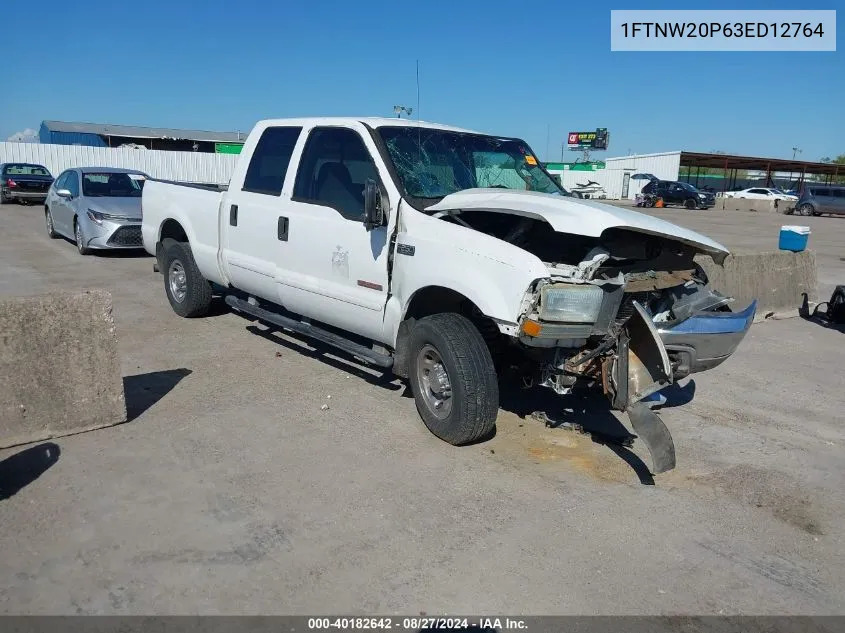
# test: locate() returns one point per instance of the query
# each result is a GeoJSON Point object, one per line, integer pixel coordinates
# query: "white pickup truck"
{"type": "Point", "coordinates": [450, 258]}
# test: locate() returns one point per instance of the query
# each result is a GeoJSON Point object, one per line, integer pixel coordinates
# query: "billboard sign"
{"type": "Point", "coordinates": [588, 140]}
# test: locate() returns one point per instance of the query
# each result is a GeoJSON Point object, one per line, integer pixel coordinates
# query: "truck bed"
{"type": "Point", "coordinates": [193, 208]}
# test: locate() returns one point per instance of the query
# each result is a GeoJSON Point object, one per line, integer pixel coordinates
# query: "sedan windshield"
{"type": "Point", "coordinates": [435, 163]}
{"type": "Point", "coordinates": [112, 185]}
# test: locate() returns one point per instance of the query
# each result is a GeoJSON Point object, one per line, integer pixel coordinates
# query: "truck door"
{"type": "Point", "coordinates": [335, 270]}
{"type": "Point", "coordinates": [250, 241]}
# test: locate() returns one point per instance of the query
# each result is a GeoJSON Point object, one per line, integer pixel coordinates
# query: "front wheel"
{"type": "Point", "coordinates": [690, 204]}
{"type": "Point", "coordinates": [51, 230]}
{"type": "Point", "coordinates": [80, 239]}
{"type": "Point", "coordinates": [453, 378]}
{"type": "Point", "coordinates": [187, 290]}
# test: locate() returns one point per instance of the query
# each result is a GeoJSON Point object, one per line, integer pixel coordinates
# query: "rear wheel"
{"type": "Point", "coordinates": [453, 378]}
{"type": "Point", "coordinates": [187, 290]}
{"type": "Point", "coordinates": [805, 209]}
{"type": "Point", "coordinates": [48, 218]}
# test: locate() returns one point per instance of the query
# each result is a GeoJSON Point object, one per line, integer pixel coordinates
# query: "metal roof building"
{"type": "Point", "coordinates": [716, 172]}
{"type": "Point", "coordinates": [108, 135]}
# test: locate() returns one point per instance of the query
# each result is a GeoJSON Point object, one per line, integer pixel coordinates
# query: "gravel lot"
{"type": "Point", "coordinates": [231, 491]}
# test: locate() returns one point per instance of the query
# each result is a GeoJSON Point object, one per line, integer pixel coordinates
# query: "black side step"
{"type": "Point", "coordinates": [350, 347]}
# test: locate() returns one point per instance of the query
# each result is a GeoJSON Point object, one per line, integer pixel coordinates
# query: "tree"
{"type": "Point", "coordinates": [839, 160]}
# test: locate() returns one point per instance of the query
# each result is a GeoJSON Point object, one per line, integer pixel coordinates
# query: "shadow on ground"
{"type": "Point", "coordinates": [326, 354]}
{"type": "Point", "coordinates": [819, 314]}
{"type": "Point", "coordinates": [144, 390]}
{"type": "Point", "coordinates": [590, 412]}
{"type": "Point", "coordinates": [21, 469]}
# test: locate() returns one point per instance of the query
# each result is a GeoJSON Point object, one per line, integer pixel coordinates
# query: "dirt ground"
{"type": "Point", "coordinates": [230, 490]}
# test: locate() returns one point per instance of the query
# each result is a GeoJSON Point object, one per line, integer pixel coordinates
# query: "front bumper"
{"type": "Point", "coordinates": [113, 235]}
{"type": "Point", "coordinates": [705, 340]}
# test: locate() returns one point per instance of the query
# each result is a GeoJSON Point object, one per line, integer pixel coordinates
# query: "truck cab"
{"type": "Point", "coordinates": [450, 258]}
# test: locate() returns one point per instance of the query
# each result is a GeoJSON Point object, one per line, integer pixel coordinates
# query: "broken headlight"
{"type": "Point", "coordinates": [570, 303]}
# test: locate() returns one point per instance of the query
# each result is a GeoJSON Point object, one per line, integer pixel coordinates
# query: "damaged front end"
{"type": "Point", "coordinates": [627, 309]}
{"type": "Point", "coordinates": [620, 324]}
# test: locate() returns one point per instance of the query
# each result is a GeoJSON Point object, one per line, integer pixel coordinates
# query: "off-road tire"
{"type": "Point", "coordinates": [198, 291]}
{"type": "Point", "coordinates": [805, 209]}
{"type": "Point", "coordinates": [467, 360]}
{"type": "Point", "coordinates": [48, 219]}
{"type": "Point", "coordinates": [690, 204]}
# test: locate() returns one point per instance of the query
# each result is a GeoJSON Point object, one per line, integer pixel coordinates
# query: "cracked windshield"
{"type": "Point", "coordinates": [435, 163]}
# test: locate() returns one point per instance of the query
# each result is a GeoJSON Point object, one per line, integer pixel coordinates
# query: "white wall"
{"type": "Point", "coordinates": [182, 166]}
{"type": "Point", "coordinates": [665, 165]}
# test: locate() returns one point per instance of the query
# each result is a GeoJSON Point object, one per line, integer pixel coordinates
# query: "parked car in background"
{"type": "Point", "coordinates": [819, 199]}
{"type": "Point", "coordinates": [24, 182]}
{"type": "Point", "coordinates": [97, 207]}
{"type": "Point", "coordinates": [761, 193]}
{"type": "Point", "coordinates": [682, 193]}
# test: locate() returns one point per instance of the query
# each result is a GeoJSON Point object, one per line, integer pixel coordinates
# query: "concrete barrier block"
{"type": "Point", "coordinates": [743, 204]}
{"type": "Point", "coordinates": [59, 367]}
{"type": "Point", "coordinates": [776, 279]}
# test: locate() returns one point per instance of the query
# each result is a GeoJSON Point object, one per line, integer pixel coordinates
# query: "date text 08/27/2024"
{"type": "Point", "coordinates": [415, 623]}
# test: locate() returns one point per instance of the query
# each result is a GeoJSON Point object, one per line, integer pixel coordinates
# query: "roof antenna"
{"type": "Point", "coordinates": [419, 129]}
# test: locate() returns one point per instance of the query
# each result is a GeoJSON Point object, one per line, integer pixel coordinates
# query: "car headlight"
{"type": "Point", "coordinates": [96, 216]}
{"type": "Point", "coordinates": [570, 303]}
{"type": "Point", "coordinates": [702, 196]}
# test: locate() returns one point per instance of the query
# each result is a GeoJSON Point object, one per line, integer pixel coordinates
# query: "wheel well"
{"type": "Point", "coordinates": [436, 300]}
{"type": "Point", "coordinates": [173, 230]}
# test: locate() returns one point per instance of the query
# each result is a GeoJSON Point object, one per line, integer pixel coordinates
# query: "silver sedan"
{"type": "Point", "coordinates": [97, 207]}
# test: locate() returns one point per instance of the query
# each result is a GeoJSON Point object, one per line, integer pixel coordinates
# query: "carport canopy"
{"type": "Point", "coordinates": [730, 164]}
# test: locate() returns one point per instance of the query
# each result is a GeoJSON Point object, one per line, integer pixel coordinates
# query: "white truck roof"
{"type": "Point", "coordinates": [371, 121]}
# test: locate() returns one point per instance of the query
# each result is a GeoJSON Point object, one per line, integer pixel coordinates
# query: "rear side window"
{"type": "Point", "coordinates": [838, 193]}
{"type": "Point", "coordinates": [821, 193]}
{"type": "Point", "coordinates": [270, 160]}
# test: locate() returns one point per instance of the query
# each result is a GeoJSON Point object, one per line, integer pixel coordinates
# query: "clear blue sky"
{"type": "Point", "coordinates": [527, 69]}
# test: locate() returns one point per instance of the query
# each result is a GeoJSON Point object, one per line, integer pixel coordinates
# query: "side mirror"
{"type": "Point", "coordinates": [373, 211]}
{"type": "Point", "coordinates": [64, 193]}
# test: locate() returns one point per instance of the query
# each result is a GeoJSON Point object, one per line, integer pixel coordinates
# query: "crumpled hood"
{"type": "Point", "coordinates": [129, 208]}
{"type": "Point", "coordinates": [575, 216]}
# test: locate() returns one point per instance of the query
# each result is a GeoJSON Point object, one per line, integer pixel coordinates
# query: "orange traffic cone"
{"type": "Point", "coordinates": [659, 203]}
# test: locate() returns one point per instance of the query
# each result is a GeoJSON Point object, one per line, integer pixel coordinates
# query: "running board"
{"type": "Point", "coordinates": [651, 430]}
{"type": "Point", "coordinates": [365, 354]}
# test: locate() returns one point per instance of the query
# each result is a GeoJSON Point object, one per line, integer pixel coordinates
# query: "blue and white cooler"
{"type": "Point", "coordinates": [794, 238]}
